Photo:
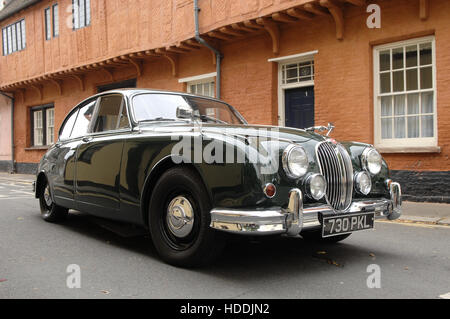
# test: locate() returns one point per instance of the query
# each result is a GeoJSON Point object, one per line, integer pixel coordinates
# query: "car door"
{"type": "Point", "coordinates": [99, 156]}
{"type": "Point", "coordinates": [62, 172]}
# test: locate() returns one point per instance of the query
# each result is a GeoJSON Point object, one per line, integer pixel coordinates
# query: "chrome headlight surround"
{"type": "Point", "coordinates": [363, 183]}
{"type": "Point", "coordinates": [371, 161]}
{"type": "Point", "coordinates": [295, 161]}
{"type": "Point", "coordinates": [316, 186]}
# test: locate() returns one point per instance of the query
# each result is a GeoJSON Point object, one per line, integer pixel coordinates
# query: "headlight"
{"type": "Point", "coordinates": [363, 183]}
{"type": "Point", "coordinates": [371, 160]}
{"type": "Point", "coordinates": [295, 161]}
{"type": "Point", "coordinates": [316, 186]}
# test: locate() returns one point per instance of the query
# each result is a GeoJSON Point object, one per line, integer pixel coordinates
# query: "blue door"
{"type": "Point", "coordinates": [299, 107]}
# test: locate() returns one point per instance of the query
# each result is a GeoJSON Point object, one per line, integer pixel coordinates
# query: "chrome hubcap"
{"type": "Point", "coordinates": [180, 217]}
{"type": "Point", "coordinates": [47, 197]}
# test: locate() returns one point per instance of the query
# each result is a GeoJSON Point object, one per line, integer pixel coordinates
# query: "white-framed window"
{"type": "Point", "coordinates": [297, 72]}
{"type": "Point", "coordinates": [43, 125]}
{"type": "Point", "coordinates": [205, 88]}
{"type": "Point", "coordinates": [81, 10]}
{"type": "Point", "coordinates": [13, 37]}
{"type": "Point", "coordinates": [405, 94]}
{"type": "Point", "coordinates": [201, 84]}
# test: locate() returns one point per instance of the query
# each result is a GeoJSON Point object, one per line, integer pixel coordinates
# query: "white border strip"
{"type": "Point", "coordinates": [295, 56]}
{"type": "Point", "coordinates": [198, 77]}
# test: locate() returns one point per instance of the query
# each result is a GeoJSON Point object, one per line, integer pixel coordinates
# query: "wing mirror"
{"type": "Point", "coordinates": [184, 112]}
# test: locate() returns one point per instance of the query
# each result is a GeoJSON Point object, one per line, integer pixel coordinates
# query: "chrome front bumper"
{"type": "Point", "coordinates": [296, 217]}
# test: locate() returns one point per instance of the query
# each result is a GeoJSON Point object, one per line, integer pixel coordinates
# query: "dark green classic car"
{"type": "Point", "coordinates": [190, 169]}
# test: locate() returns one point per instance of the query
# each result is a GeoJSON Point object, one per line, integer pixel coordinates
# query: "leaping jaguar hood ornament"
{"type": "Point", "coordinates": [322, 128]}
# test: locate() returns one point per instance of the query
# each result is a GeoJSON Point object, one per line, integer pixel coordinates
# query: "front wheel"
{"type": "Point", "coordinates": [179, 217]}
{"type": "Point", "coordinates": [50, 212]}
{"type": "Point", "coordinates": [316, 235]}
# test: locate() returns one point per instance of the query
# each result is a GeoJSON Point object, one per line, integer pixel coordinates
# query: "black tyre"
{"type": "Point", "coordinates": [179, 218]}
{"type": "Point", "coordinates": [50, 212]}
{"type": "Point", "coordinates": [316, 235]}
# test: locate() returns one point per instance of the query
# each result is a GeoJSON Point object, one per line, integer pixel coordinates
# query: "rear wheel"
{"type": "Point", "coordinates": [179, 217]}
{"type": "Point", "coordinates": [316, 235]}
{"type": "Point", "coordinates": [50, 212]}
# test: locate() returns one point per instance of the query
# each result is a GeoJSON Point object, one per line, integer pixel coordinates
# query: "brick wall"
{"type": "Point", "coordinates": [343, 83]}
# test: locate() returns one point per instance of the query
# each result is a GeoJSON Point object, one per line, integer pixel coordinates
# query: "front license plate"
{"type": "Point", "coordinates": [347, 224]}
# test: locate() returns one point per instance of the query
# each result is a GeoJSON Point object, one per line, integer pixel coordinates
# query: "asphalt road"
{"type": "Point", "coordinates": [34, 255]}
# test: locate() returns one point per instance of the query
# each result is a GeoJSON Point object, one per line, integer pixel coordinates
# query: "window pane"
{"type": "Point", "coordinates": [68, 126]}
{"type": "Point", "coordinates": [292, 73]}
{"type": "Point", "coordinates": [305, 71]}
{"type": "Point", "coordinates": [427, 102]}
{"type": "Point", "coordinates": [193, 89]}
{"type": "Point", "coordinates": [50, 126]}
{"type": "Point", "coordinates": [47, 24]}
{"type": "Point", "coordinates": [5, 45]}
{"type": "Point", "coordinates": [399, 105]}
{"type": "Point", "coordinates": [14, 38]}
{"type": "Point", "coordinates": [24, 40]}
{"type": "Point", "coordinates": [427, 126]}
{"type": "Point", "coordinates": [123, 122]}
{"type": "Point", "coordinates": [206, 90]}
{"type": "Point", "coordinates": [10, 50]}
{"type": "Point", "coordinates": [385, 82]}
{"type": "Point", "coordinates": [19, 36]}
{"type": "Point", "coordinates": [426, 78]}
{"type": "Point", "coordinates": [55, 20]}
{"type": "Point", "coordinates": [38, 132]}
{"type": "Point", "coordinates": [76, 14]}
{"type": "Point", "coordinates": [385, 60]}
{"type": "Point", "coordinates": [397, 58]}
{"type": "Point", "coordinates": [149, 107]}
{"type": "Point", "coordinates": [399, 82]}
{"type": "Point", "coordinates": [412, 81]}
{"type": "Point", "coordinates": [425, 53]}
{"type": "Point", "coordinates": [386, 128]}
{"type": "Point", "coordinates": [386, 106]}
{"type": "Point", "coordinates": [108, 114]}
{"type": "Point", "coordinates": [413, 103]}
{"type": "Point", "coordinates": [399, 127]}
{"type": "Point", "coordinates": [413, 126]}
{"type": "Point", "coordinates": [82, 13]}
{"type": "Point", "coordinates": [411, 56]}
{"type": "Point", "coordinates": [88, 12]}
{"type": "Point", "coordinates": [83, 120]}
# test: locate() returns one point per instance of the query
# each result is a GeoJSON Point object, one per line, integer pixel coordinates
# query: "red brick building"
{"type": "Point", "coordinates": [286, 62]}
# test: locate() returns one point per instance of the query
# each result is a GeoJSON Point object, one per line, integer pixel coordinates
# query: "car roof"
{"type": "Point", "coordinates": [133, 91]}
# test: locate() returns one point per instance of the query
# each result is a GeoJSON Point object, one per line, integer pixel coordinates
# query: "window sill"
{"type": "Point", "coordinates": [409, 149]}
{"type": "Point", "coordinates": [37, 148]}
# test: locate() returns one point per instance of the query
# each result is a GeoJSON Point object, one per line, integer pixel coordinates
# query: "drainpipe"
{"type": "Point", "coordinates": [219, 55]}
{"type": "Point", "coordinates": [13, 166]}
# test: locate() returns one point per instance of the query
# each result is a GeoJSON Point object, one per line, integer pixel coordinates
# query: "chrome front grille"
{"type": "Point", "coordinates": [336, 166]}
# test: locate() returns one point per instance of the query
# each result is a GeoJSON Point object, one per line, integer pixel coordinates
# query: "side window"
{"type": "Point", "coordinates": [110, 107]}
{"type": "Point", "coordinates": [83, 121]}
{"type": "Point", "coordinates": [68, 126]}
{"type": "Point", "coordinates": [123, 121]}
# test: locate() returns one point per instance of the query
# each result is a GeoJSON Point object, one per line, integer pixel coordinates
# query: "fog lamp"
{"type": "Point", "coordinates": [316, 186]}
{"type": "Point", "coordinates": [363, 183]}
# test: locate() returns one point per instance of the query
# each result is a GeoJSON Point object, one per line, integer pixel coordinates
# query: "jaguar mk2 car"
{"type": "Point", "coordinates": [120, 156]}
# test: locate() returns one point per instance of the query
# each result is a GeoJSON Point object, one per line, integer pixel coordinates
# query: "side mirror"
{"type": "Point", "coordinates": [184, 112]}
